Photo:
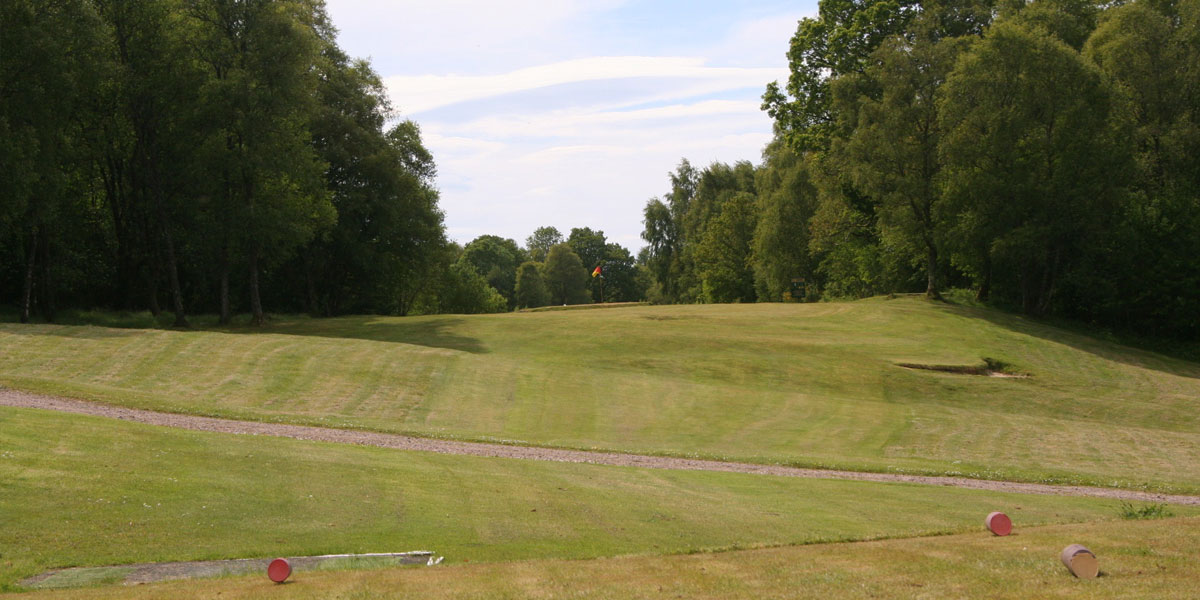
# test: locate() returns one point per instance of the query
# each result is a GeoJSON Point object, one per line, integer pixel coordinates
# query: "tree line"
{"type": "Point", "coordinates": [498, 274]}
{"type": "Point", "coordinates": [1044, 154]}
{"type": "Point", "coordinates": [205, 156]}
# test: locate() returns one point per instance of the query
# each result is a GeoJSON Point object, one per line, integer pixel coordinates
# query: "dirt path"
{"type": "Point", "coordinates": [403, 442]}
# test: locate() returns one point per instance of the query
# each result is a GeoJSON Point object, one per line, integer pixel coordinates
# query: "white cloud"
{"type": "Point", "coordinates": [419, 93]}
{"type": "Point", "coordinates": [569, 113]}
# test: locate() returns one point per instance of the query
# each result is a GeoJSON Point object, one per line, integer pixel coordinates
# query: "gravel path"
{"type": "Point", "coordinates": [403, 442]}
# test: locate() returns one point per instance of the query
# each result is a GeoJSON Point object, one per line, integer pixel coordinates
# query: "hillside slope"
{"type": "Point", "coordinates": [810, 384]}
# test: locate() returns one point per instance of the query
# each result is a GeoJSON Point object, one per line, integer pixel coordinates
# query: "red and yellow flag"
{"type": "Point", "coordinates": [596, 272]}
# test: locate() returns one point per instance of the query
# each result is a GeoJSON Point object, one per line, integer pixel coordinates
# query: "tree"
{"type": "Point", "coordinates": [836, 42]}
{"type": "Point", "coordinates": [590, 246]}
{"type": "Point", "coordinates": [565, 276]}
{"type": "Point", "coordinates": [51, 55]}
{"type": "Point", "coordinates": [388, 237]}
{"type": "Point", "coordinates": [660, 233]}
{"type": "Point", "coordinates": [621, 281]}
{"type": "Point", "coordinates": [496, 259]}
{"type": "Point", "coordinates": [786, 201]}
{"type": "Point", "coordinates": [664, 231]}
{"type": "Point", "coordinates": [538, 244]}
{"type": "Point", "coordinates": [267, 180]}
{"type": "Point", "coordinates": [723, 257]}
{"type": "Point", "coordinates": [891, 152]}
{"type": "Point", "coordinates": [464, 291]}
{"type": "Point", "coordinates": [531, 290]}
{"type": "Point", "coordinates": [1152, 52]}
{"type": "Point", "coordinates": [1033, 163]}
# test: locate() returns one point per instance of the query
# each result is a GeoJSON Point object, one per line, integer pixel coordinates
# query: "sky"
{"type": "Point", "coordinates": [571, 113]}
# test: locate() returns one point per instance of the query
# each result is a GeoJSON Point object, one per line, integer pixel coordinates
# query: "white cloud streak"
{"type": "Point", "coordinates": [416, 94]}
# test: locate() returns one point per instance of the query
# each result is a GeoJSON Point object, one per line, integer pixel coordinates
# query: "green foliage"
{"type": "Point", "coordinates": [538, 245]}
{"type": "Point", "coordinates": [591, 247]}
{"type": "Point", "coordinates": [786, 202]}
{"type": "Point", "coordinates": [462, 290]}
{"type": "Point", "coordinates": [724, 253]}
{"type": "Point", "coordinates": [622, 277]}
{"type": "Point", "coordinates": [565, 276]}
{"type": "Point", "coordinates": [1129, 511]}
{"type": "Point", "coordinates": [215, 151]}
{"type": "Point", "coordinates": [836, 42]}
{"type": "Point", "coordinates": [496, 259]}
{"type": "Point", "coordinates": [1152, 52]}
{"type": "Point", "coordinates": [1033, 161]}
{"type": "Point", "coordinates": [531, 289]}
{"type": "Point", "coordinates": [891, 152]}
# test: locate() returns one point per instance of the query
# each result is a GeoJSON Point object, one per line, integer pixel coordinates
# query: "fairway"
{"type": "Point", "coordinates": [807, 385]}
{"type": "Point", "coordinates": [86, 491]}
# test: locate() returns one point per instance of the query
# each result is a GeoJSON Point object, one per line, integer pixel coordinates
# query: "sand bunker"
{"type": "Point", "coordinates": [990, 368]}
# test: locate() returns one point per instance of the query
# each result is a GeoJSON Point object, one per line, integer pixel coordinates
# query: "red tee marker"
{"type": "Point", "coordinates": [279, 570]}
{"type": "Point", "coordinates": [999, 523]}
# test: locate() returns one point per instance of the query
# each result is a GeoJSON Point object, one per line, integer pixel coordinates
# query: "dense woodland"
{"type": "Point", "coordinates": [225, 156]}
{"type": "Point", "coordinates": [1045, 155]}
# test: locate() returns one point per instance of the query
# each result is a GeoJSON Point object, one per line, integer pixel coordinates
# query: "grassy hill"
{"type": "Point", "coordinates": [802, 384]}
{"type": "Point", "coordinates": [814, 384]}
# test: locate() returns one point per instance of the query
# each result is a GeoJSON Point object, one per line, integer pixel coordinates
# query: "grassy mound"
{"type": "Point", "coordinates": [811, 385]}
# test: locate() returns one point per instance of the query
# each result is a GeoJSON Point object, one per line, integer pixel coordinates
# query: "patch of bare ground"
{"type": "Point", "coordinates": [152, 572]}
{"type": "Point", "coordinates": [403, 442]}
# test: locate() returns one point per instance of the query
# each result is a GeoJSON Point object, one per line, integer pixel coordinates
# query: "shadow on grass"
{"type": "Point", "coordinates": [1070, 334]}
{"type": "Point", "coordinates": [433, 332]}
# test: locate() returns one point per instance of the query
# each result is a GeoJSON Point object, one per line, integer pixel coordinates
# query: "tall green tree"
{"type": "Point", "coordinates": [891, 151]}
{"type": "Point", "coordinates": [538, 245]}
{"type": "Point", "coordinates": [786, 199]}
{"type": "Point", "coordinates": [496, 259]}
{"type": "Point", "coordinates": [531, 288]}
{"type": "Point", "coordinates": [591, 247]}
{"type": "Point", "coordinates": [51, 55]}
{"type": "Point", "coordinates": [723, 257]}
{"type": "Point", "coordinates": [565, 276]}
{"type": "Point", "coordinates": [1032, 160]}
{"type": "Point", "coordinates": [664, 232]}
{"type": "Point", "coordinates": [835, 42]}
{"type": "Point", "coordinates": [1152, 51]}
{"type": "Point", "coordinates": [266, 177]}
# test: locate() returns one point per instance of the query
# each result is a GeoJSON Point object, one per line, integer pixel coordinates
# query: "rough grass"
{"type": "Point", "coordinates": [804, 384]}
{"type": "Point", "coordinates": [81, 491]}
{"type": "Point", "coordinates": [1138, 560]}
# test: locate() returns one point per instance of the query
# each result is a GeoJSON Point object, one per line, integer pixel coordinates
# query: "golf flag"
{"type": "Point", "coordinates": [596, 272]}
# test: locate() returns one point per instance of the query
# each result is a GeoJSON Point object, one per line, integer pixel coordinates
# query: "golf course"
{"type": "Point", "coordinates": [791, 385]}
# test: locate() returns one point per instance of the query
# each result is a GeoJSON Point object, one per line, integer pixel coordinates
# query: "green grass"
{"type": "Point", "coordinates": [1152, 560]}
{"type": "Point", "coordinates": [89, 492]}
{"type": "Point", "coordinates": [805, 384]}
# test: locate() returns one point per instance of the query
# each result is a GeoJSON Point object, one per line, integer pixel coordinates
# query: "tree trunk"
{"type": "Point", "coordinates": [30, 265]}
{"type": "Point", "coordinates": [46, 290]}
{"type": "Point", "coordinates": [931, 290]}
{"type": "Point", "coordinates": [311, 287]}
{"type": "Point", "coordinates": [172, 266]}
{"type": "Point", "coordinates": [173, 276]}
{"type": "Point", "coordinates": [255, 300]}
{"type": "Point", "coordinates": [985, 286]}
{"type": "Point", "coordinates": [224, 320]}
{"type": "Point", "coordinates": [155, 309]}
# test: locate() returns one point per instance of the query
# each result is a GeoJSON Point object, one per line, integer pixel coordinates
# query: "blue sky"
{"type": "Point", "coordinates": [571, 113]}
